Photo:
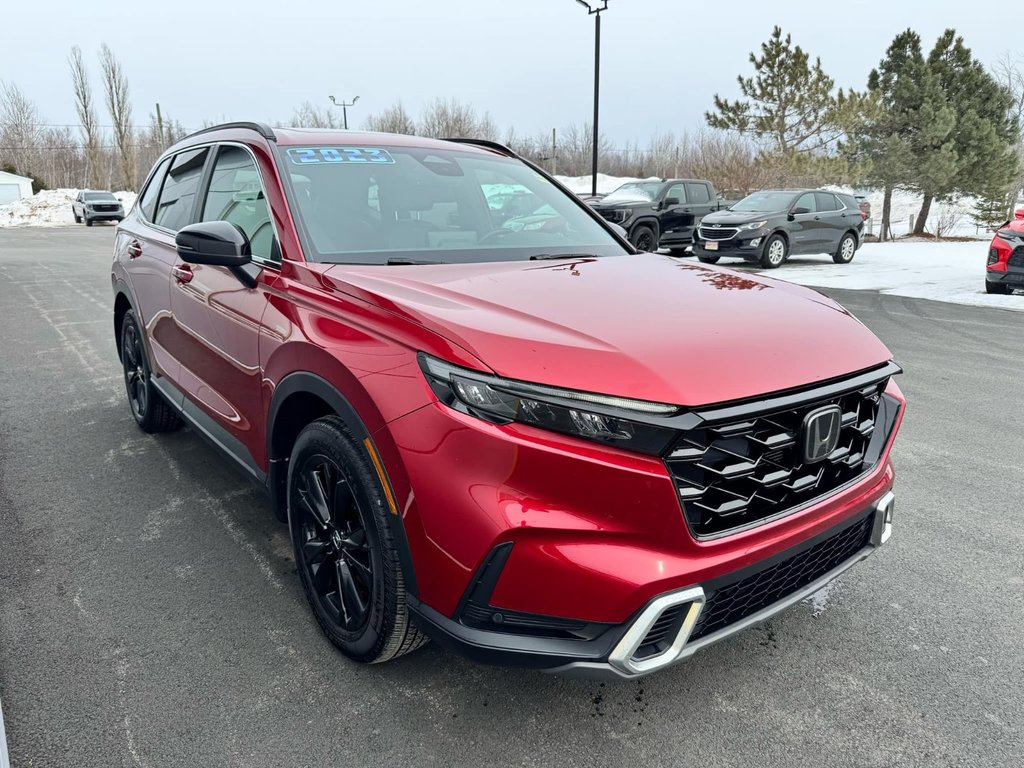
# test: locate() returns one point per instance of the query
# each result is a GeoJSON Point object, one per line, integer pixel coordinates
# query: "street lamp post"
{"type": "Point", "coordinates": [344, 109]}
{"type": "Point", "coordinates": [594, 8]}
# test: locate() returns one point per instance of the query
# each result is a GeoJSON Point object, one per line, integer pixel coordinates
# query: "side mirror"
{"type": "Point", "coordinates": [1018, 214]}
{"type": "Point", "coordinates": [218, 243]}
{"type": "Point", "coordinates": [670, 201]}
{"type": "Point", "coordinates": [798, 211]}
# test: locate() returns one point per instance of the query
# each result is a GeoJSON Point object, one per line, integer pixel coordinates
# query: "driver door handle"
{"type": "Point", "coordinates": [182, 273]}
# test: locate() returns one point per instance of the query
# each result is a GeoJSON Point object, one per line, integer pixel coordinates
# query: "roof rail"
{"type": "Point", "coordinates": [492, 145]}
{"type": "Point", "coordinates": [262, 129]}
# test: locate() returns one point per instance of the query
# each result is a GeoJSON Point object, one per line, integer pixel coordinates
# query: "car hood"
{"type": "Point", "coordinates": [735, 218]}
{"type": "Point", "coordinates": [620, 203]}
{"type": "Point", "coordinates": [643, 326]}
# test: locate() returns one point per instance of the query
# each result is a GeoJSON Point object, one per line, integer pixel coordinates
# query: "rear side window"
{"type": "Point", "coordinates": [236, 195]}
{"type": "Point", "coordinates": [826, 202]}
{"type": "Point", "coordinates": [697, 193]}
{"type": "Point", "coordinates": [177, 200]}
{"type": "Point", "coordinates": [147, 203]}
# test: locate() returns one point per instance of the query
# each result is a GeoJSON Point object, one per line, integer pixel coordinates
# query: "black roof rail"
{"type": "Point", "coordinates": [261, 128]}
{"type": "Point", "coordinates": [492, 145]}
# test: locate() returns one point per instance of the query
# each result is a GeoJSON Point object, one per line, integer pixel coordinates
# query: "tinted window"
{"type": "Point", "coordinates": [369, 205]}
{"type": "Point", "coordinates": [147, 203]}
{"type": "Point", "coordinates": [174, 210]}
{"type": "Point", "coordinates": [678, 191]}
{"type": "Point", "coordinates": [826, 202]}
{"type": "Point", "coordinates": [697, 193]}
{"type": "Point", "coordinates": [236, 195]}
{"type": "Point", "coordinates": [807, 202]}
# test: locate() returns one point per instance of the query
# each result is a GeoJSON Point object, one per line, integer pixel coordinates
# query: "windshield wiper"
{"type": "Point", "coordinates": [409, 262]}
{"type": "Point", "coordinates": [551, 256]}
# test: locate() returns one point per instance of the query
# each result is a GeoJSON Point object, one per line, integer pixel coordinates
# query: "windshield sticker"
{"type": "Point", "coordinates": [330, 155]}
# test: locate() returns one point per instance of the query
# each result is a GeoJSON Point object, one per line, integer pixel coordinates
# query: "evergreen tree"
{"type": "Point", "coordinates": [789, 102]}
{"type": "Point", "coordinates": [980, 147]}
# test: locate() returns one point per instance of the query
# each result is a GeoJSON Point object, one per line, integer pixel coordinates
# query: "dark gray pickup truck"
{"type": "Point", "coordinates": [660, 214]}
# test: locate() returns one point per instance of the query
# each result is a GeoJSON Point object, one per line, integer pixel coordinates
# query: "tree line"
{"type": "Point", "coordinates": [940, 125]}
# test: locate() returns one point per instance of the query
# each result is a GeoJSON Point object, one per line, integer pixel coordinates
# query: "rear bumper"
{"type": "Point", "coordinates": [693, 615]}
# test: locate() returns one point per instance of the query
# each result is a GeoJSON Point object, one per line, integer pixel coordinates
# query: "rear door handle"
{"type": "Point", "coordinates": [182, 273]}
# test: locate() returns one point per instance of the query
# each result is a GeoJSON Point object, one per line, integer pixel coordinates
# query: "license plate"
{"type": "Point", "coordinates": [710, 246]}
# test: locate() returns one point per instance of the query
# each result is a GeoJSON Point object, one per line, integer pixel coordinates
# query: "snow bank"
{"type": "Point", "coordinates": [921, 269]}
{"type": "Point", "coordinates": [49, 208]}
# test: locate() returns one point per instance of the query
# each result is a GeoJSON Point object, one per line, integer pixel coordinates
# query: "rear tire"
{"type": "Point", "coordinates": [774, 253]}
{"type": "Point", "coordinates": [847, 248]}
{"type": "Point", "coordinates": [644, 239]}
{"type": "Point", "coordinates": [338, 517]}
{"type": "Point", "coordinates": [152, 413]}
{"type": "Point", "coordinates": [1001, 289]}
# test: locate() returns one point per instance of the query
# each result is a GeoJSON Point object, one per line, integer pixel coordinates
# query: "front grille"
{"type": "Point", "coordinates": [105, 208]}
{"type": "Point", "coordinates": [736, 601]}
{"type": "Point", "coordinates": [735, 473]}
{"type": "Point", "coordinates": [1017, 257]}
{"type": "Point", "coordinates": [714, 233]}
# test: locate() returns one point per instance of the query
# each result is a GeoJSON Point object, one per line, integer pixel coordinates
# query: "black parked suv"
{"type": "Point", "coordinates": [768, 227]}
{"type": "Point", "coordinates": [660, 214]}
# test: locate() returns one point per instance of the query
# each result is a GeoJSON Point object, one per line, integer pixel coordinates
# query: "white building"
{"type": "Point", "coordinates": [14, 187]}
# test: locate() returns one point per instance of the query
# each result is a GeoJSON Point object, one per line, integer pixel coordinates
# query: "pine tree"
{"type": "Point", "coordinates": [980, 146]}
{"type": "Point", "coordinates": [789, 102]}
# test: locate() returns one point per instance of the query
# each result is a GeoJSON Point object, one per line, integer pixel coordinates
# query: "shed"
{"type": "Point", "coordinates": [14, 187]}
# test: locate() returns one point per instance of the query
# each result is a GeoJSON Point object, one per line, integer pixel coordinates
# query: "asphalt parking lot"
{"type": "Point", "coordinates": [150, 614]}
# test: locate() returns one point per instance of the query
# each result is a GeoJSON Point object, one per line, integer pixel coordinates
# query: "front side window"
{"type": "Point", "coordinates": [678, 191]}
{"type": "Point", "coordinates": [806, 202]}
{"type": "Point", "coordinates": [236, 195]}
{"type": "Point", "coordinates": [372, 205]}
{"type": "Point", "coordinates": [147, 203]}
{"type": "Point", "coordinates": [177, 199]}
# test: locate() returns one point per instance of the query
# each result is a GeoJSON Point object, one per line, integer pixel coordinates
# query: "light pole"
{"type": "Point", "coordinates": [344, 108]}
{"type": "Point", "coordinates": [594, 8]}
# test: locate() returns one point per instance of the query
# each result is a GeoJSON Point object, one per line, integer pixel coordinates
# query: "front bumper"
{"type": "Point", "coordinates": [746, 245]}
{"type": "Point", "coordinates": [686, 620]}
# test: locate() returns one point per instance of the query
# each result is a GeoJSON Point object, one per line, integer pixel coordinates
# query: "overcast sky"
{"type": "Point", "coordinates": [528, 62]}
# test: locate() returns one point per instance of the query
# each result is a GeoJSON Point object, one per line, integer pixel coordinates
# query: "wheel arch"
{"type": "Point", "coordinates": [647, 221]}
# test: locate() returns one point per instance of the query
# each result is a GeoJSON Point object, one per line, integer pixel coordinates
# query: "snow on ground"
{"type": "Point", "coordinates": [49, 208]}
{"type": "Point", "coordinates": [921, 269]}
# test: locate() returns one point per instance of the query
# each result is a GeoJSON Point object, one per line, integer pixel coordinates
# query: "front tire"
{"type": "Point", "coordinates": [78, 219]}
{"type": "Point", "coordinates": [774, 253]}
{"type": "Point", "coordinates": [88, 222]}
{"type": "Point", "coordinates": [152, 413]}
{"type": "Point", "coordinates": [344, 551]}
{"type": "Point", "coordinates": [644, 239]}
{"type": "Point", "coordinates": [681, 253]}
{"type": "Point", "coordinates": [708, 259]}
{"type": "Point", "coordinates": [846, 250]}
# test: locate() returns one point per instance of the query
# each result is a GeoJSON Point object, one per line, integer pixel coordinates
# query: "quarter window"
{"type": "Point", "coordinates": [236, 195]}
{"type": "Point", "coordinates": [177, 199]}
{"type": "Point", "coordinates": [147, 203]}
{"type": "Point", "coordinates": [697, 193]}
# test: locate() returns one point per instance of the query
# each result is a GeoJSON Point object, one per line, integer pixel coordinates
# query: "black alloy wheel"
{"type": "Point", "coordinates": [332, 543]}
{"type": "Point", "coordinates": [151, 411]}
{"type": "Point", "coordinates": [644, 239]}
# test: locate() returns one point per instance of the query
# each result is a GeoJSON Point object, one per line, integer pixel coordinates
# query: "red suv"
{"type": "Point", "coordinates": [517, 436]}
{"type": "Point", "coordinates": [1005, 269]}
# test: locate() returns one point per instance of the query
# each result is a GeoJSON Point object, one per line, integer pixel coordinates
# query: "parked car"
{"type": "Point", "coordinates": [864, 204]}
{"type": "Point", "coordinates": [768, 227]}
{"type": "Point", "coordinates": [660, 214]}
{"type": "Point", "coordinates": [91, 206]}
{"type": "Point", "coordinates": [508, 439]}
{"type": "Point", "coordinates": [1005, 269]}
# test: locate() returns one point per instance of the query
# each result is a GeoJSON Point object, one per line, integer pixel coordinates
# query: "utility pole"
{"type": "Point", "coordinates": [595, 8]}
{"type": "Point", "coordinates": [554, 151]}
{"type": "Point", "coordinates": [160, 127]}
{"type": "Point", "coordinates": [344, 109]}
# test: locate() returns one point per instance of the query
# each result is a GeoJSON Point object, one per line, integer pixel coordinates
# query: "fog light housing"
{"type": "Point", "coordinates": [755, 242]}
{"type": "Point", "coordinates": [883, 519]}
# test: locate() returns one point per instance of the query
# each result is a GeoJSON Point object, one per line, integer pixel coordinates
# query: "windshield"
{"type": "Point", "coordinates": [635, 190]}
{"type": "Point", "coordinates": [764, 201]}
{"type": "Point", "coordinates": [106, 196]}
{"type": "Point", "coordinates": [372, 205]}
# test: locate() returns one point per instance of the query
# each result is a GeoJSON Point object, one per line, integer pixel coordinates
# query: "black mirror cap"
{"type": "Point", "coordinates": [798, 211]}
{"type": "Point", "coordinates": [671, 201]}
{"type": "Point", "coordinates": [218, 243]}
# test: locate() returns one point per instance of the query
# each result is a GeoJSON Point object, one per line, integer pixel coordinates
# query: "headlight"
{"type": "Point", "coordinates": [619, 215]}
{"type": "Point", "coordinates": [600, 418]}
{"type": "Point", "coordinates": [755, 225]}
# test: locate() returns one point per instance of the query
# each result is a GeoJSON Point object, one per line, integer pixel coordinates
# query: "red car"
{"type": "Point", "coordinates": [1005, 269]}
{"type": "Point", "coordinates": [530, 443]}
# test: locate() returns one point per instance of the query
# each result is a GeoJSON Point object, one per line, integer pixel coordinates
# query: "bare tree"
{"type": "Point", "coordinates": [451, 119]}
{"type": "Point", "coordinates": [1009, 72]}
{"type": "Point", "coordinates": [119, 105]}
{"type": "Point", "coordinates": [86, 110]}
{"type": "Point", "coordinates": [308, 115]}
{"type": "Point", "coordinates": [394, 119]}
{"type": "Point", "coordinates": [21, 144]}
